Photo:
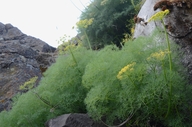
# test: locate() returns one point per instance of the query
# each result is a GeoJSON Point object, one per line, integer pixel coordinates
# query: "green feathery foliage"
{"type": "Point", "coordinates": [134, 83]}
{"type": "Point", "coordinates": [111, 85]}
{"type": "Point", "coordinates": [59, 92]}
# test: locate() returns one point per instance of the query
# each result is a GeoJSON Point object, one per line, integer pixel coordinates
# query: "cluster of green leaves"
{"type": "Point", "coordinates": [106, 21]}
{"type": "Point", "coordinates": [112, 85]}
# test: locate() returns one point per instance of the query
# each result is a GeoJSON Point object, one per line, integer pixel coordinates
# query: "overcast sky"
{"type": "Point", "coordinates": [47, 20]}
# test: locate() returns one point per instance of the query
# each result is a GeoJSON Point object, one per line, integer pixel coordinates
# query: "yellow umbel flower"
{"type": "Point", "coordinates": [29, 84]}
{"type": "Point", "coordinates": [69, 46]}
{"type": "Point", "coordinates": [159, 15]}
{"type": "Point", "coordinates": [128, 67]}
{"type": "Point", "coordinates": [132, 30]}
{"type": "Point", "coordinates": [158, 55]}
{"type": "Point", "coordinates": [84, 23]}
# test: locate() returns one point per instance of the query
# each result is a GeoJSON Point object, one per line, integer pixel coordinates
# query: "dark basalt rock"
{"type": "Point", "coordinates": [20, 59]}
{"type": "Point", "coordinates": [73, 120]}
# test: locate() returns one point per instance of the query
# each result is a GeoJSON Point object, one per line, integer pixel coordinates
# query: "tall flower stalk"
{"type": "Point", "coordinates": [83, 24]}
{"type": "Point", "coordinates": [159, 16]}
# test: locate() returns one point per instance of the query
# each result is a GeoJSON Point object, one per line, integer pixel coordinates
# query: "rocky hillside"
{"type": "Point", "coordinates": [21, 58]}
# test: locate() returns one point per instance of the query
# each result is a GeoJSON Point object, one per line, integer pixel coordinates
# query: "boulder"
{"type": "Point", "coordinates": [178, 25]}
{"type": "Point", "coordinates": [20, 59]}
{"type": "Point", "coordinates": [141, 29]}
{"type": "Point", "coordinates": [73, 120]}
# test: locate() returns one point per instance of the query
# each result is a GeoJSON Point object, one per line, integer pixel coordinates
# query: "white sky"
{"type": "Point", "coordinates": [47, 20]}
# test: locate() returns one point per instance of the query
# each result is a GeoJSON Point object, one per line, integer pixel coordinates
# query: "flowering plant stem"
{"type": "Point", "coordinates": [88, 40]}
{"type": "Point", "coordinates": [72, 55]}
{"type": "Point", "coordinates": [131, 80]}
{"type": "Point", "coordinates": [170, 67]}
{"type": "Point", "coordinates": [168, 46]}
{"type": "Point", "coordinates": [74, 58]}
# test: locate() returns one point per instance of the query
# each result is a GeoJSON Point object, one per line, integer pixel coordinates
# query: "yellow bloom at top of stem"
{"type": "Point", "coordinates": [159, 15]}
{"type": "Point", "coordinates": [158, 55]}
{"type": "Point", "coordinates": [69, 46]}
{"type": "Point", "coordinates": [128, 67]}
{"type": "Point", "coordinates": [132, 30]}
{"type": "Point", "coordinates": [84, 23]}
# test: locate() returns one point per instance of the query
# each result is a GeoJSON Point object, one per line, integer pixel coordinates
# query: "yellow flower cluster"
{"type": "Point", "coordinates": [159, 15]}
{"type": "Point", "coordinates": [132, 30]}
{"type": "Point", "coordinates": [29, 84]}
{"type": "Point", "coordinates": [158, 55]}
{"type": "Point", "coordinates": [84, 23]}
{"type": "Point", "coordinates": [128, 67]}
{"type": "Point", "coordinates": [69, 46]}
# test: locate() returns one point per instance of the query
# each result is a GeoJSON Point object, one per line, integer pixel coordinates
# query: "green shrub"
{"type": "Point", "coordinates": [135, 83]}
{"type": "Point", "coordinates": [59, 92]}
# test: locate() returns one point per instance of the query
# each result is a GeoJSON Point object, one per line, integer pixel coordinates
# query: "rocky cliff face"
{"type": "Point", "coordinates": [21, 58]}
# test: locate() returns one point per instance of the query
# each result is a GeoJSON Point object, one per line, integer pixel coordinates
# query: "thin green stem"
{"type": "Point", "coordinates": [168, 46]}
{"type": "Point", "coordinates": [131, 80]}
{"type": "Point", "coordinates": [72, 55]}
{"type": "Point", "coordinates": [87, 40]}
{"type": "Point", "coordinates": [170, 67]}
{"type": "Point", "coordinates": [74, 58]}
{"type": "Point", "coordinates": [164, 71]}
